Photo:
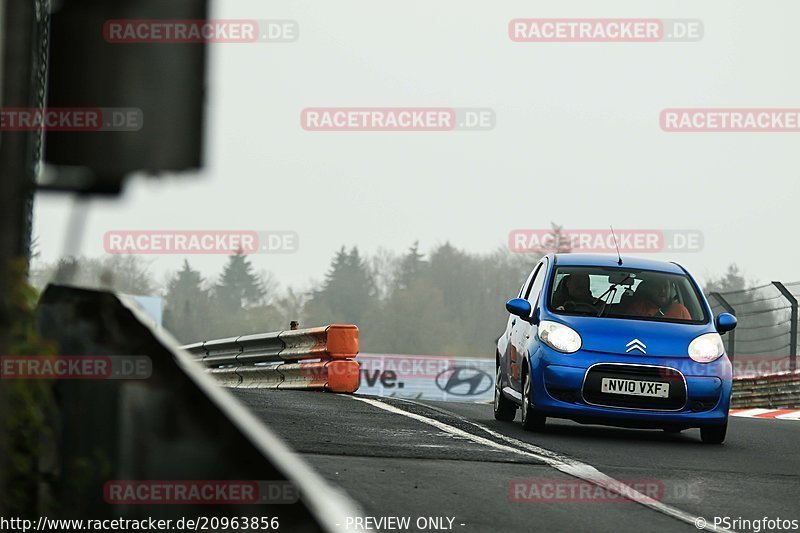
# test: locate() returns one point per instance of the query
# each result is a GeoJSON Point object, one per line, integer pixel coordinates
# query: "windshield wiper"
{"type": "Point", "coordinates": [605, 302]}
{"type": "Point", "coordinates": [611, 289]}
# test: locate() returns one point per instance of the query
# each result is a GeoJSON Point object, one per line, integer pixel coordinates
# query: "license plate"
{"type": "Point", "coordinates": [634, 387]}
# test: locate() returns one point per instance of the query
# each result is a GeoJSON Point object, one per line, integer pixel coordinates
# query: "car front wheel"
{"type": "Point", "coordinates": [713, 434]}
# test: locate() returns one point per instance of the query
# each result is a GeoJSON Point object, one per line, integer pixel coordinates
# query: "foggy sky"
{"type": "Point", "coordinates": [577, 138]}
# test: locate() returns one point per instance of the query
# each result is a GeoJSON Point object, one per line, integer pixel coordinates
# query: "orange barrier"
{"type": "Point", "coordinates": [337, 341]}
{"type": "Point", "coordinates": [277, 360]}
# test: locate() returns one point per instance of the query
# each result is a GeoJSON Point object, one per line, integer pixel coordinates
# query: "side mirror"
{"type": "Point", "coordinates": [725, 322]}
{"type": "Point", "coordinates": [519, 307]}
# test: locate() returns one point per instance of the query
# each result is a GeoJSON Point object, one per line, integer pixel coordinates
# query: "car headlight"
{"type": "Point", "coordinates": [559, 337]}
{"type": "Point", "coordinates": [706, 348]}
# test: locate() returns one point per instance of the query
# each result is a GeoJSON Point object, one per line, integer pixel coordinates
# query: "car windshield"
{"type": "Point", "coordinates": [625, 293]}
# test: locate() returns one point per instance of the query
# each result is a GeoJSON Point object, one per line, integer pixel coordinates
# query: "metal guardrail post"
{"type": "Point", "coordinates": [732, 334]}
{"type": "Point", "coordinates": [793, 325]}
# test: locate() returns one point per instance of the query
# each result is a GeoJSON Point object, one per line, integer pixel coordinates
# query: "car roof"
{"type": "Point", "coordinates": [609, 260]}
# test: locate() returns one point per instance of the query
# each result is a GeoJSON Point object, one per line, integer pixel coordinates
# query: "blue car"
{"type": "Point", "coordinates": [615, 341]}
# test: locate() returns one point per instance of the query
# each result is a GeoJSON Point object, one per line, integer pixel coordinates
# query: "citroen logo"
{"type": "Point", "coordinates": [636, 344]}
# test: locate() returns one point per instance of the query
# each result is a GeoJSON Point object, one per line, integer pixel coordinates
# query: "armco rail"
{"type": "Point", "coordinates": [280, 360]}
{"type": "Point", "coordinates": [775, 391]}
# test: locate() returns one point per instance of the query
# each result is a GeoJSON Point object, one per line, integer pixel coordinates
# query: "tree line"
{"type": "Point", "coordinates": [446, 302]}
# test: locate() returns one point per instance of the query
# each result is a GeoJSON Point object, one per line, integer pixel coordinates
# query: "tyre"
{"type": "Point", "coordinates": [713, 434]}
{"type": "Point", "coordinates": [531, 420]}
{"type": "Point", "coordinates": [504, 409]}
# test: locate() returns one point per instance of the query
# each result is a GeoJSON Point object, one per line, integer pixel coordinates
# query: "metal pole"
{"type": "Point", "coordinates": [731, 334]}
{"type": "Point", "coordinates": [793, 325]}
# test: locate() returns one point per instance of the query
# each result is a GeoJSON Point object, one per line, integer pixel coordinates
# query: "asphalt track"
{"type": "Point", "coordinates": [435, 459]}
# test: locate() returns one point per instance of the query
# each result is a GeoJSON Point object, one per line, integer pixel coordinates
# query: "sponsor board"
{"type": "Point", "coordinates": [427, 377]}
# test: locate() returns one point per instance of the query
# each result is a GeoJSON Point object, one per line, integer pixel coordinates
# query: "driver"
{"type": "Point", "coordinates": [654, 298]}
{"type": "Point", "coordinates": [573, 289]}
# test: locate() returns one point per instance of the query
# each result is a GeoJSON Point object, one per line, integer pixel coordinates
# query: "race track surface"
{"type": "Point", "coordinates": [434, 459]}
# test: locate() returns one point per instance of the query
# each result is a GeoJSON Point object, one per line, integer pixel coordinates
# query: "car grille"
{"type": "Point", "coordinates": [677, 387]}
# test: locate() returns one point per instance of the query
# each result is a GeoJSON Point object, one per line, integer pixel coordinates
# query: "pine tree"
{"type": "Point", "coordinates": [187, 305]}
{"type": "Point", "coordinates": [733, 280]}
{"type": "Point", "coordinates": [411, 267]}
{"type": "Point", "coordinates": [561, 241]}
{"type": "Point", "coordinates": [238, 287]}
{"type": "Point", "coordinates": [346, 294]}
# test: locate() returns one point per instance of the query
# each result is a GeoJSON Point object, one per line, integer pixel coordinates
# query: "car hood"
{"type": "Point", "coordinates": [617, 335]}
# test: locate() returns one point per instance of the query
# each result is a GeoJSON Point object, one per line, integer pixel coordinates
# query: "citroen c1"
{"type": "Point", "coordinates": [624, 342]}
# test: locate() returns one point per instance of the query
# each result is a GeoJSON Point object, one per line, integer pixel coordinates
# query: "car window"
{"type": "Point", "coordinates": [536, 287]}
{"type": "Point", "coordinates": [626, 293]}
{"type": "Point", "coordinates": [527, 284]}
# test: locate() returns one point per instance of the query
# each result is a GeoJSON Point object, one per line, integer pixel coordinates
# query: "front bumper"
{"type": "Point", "coordinates": [559, 380]}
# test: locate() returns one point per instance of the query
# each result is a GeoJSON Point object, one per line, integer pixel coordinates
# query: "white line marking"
{"type": "Point", "coordinates": [564, 464]}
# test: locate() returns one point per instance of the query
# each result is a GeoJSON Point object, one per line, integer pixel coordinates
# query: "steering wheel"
{"type": "Point", "coordinates": [572, 305]}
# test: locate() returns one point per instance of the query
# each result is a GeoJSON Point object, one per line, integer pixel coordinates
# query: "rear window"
{"type": "Point", "coordinates": [625, 293]}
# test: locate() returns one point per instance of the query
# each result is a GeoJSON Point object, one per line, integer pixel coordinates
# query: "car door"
{"type": "Point", "coordinates": [526, 330]}
{"type": "Point", "coordinates": [509, 332]}
{"type": "Point", "coordinates": [520, 330]}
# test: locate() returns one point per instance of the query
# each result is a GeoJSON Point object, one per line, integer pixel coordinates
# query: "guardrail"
{"type": "Point", "coordinates": [283, 359]}
{"type": "Point", "coordinates": [781, 391]}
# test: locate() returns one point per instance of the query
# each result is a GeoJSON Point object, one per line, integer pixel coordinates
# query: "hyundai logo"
{"type": "Point", "coordinates": [636, 344]}
{"type": "Point", "coordinates": [464, 381]}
